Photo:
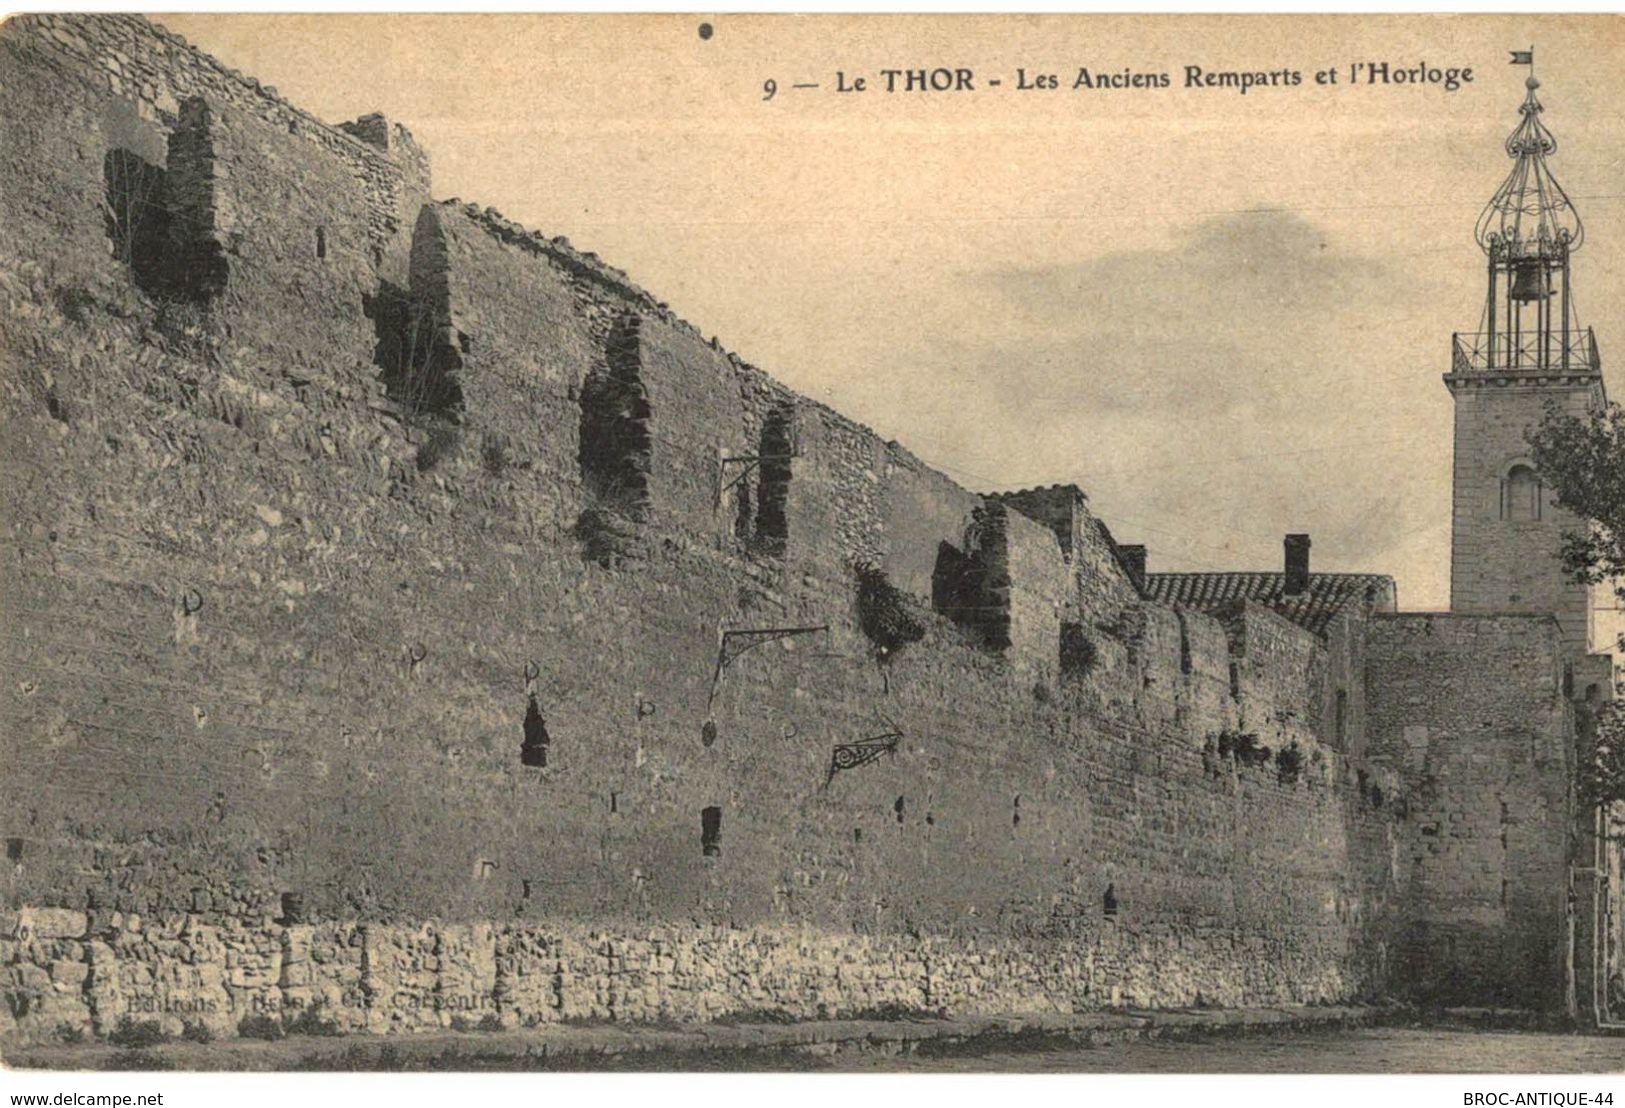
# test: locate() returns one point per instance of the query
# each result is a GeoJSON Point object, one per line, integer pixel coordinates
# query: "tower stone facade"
{"type": "Point", "coordinates": [1529, 359]}
{"type": "Point", "coordinates": [1530, 356]}
{"type": "Point", "coordinates": [1507, 530]}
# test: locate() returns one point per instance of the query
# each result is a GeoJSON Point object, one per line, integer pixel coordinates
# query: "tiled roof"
{"type": "Point", "coordinates": [1328, 593]}
{"type": "Point", "coordinates": [1037, 490]}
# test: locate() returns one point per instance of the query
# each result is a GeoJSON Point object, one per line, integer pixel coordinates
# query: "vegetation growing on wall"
{"type": "Point", "coordinates": [1602, 776]}
{"type": "Point", "coordinates": [885, 613]}
{"type": "Point", "coordinates": [414, 353]}
{"type": "Point", "coordinates": [137, 218]}
{"type": "Point", "coordinates": [1078, 654]}
{"type": "Point", "coordinates": [1242, 746]}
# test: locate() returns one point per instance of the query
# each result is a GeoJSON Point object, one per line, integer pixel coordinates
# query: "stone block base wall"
{"type": "Point", "coordinates": [390, 978]}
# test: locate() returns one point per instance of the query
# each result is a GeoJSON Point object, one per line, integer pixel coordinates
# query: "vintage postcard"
{"type": "Point", "coordinates": [916, 543]}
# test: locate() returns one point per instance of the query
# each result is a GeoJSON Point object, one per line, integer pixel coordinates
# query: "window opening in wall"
{"type": "Point", "coordinates": [1184, 644]}
{"type": "Point", "coordinates": [14, 850]}
{"type": "Point", "coordinates": [898, 808]}
{"type": "Point", "coordinates": [614, 803]}
{"type": "Point", "coordinates": [857, 834]}
{"type": "Point", "coordinates": [1110, 900]}
{"type": "Point", "coordinates": [321, 242]}
{"type": "Point", "coordinates": [1341, 723]}
{"type": "Point", "coordinates": [1520, 494]}
{"type": "Point", "coordinates": [136, 214]}
{"type": "Point", "coordinates": [533, 748]}
{"type": "Point", "coordinates": [293, 908]}
{"type": "Point", "coordinates": [1015, 815]}
{"type": "Point", "coordinates": [711, 831]}
{"type": "Point", "coordinates": [1235, 681]}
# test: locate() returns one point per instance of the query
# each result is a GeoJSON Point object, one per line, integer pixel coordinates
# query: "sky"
{"type": "Point", "coordinates": [1224, 315]}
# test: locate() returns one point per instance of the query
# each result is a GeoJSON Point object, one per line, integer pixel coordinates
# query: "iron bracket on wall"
{"type": "Point", "coordinates": [862, 751]}
{"type": "Point", "coordinates": [731, 644]}
{"type": "Point", "coordinates": [745, 464]}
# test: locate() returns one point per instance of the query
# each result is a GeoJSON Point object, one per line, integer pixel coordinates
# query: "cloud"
{"type": "Point", "coordinates": [1237, 314]}
{"type": "Point", "coordinates": [1247, 378]}
{"type": "Point", "coordinates": [1236, 259]}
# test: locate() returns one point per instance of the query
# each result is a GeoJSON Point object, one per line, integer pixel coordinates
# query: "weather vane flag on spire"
{"type": "Point", "coordinates": [1524, 57]}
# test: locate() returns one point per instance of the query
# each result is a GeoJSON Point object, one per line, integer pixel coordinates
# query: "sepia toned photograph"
{"type": "Point", "coordinates": [811, 543]}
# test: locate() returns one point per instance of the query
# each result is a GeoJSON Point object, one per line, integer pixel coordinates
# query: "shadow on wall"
{"type": "Point", "coordinates": [970, 587]}
{"type": "Point", "coordinates": [417, 362]}
{"type": "Point", "coordinates": [151, 231]}
{"type": "Point", "coordinates": [137, 218]}
{"type": "Point", "coordinates": [774, 454]}
{"type": "Point", "coordinates": [956, 586]}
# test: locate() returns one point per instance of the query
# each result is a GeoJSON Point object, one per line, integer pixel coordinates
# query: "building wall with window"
{"type": "Point", "coordinates": [1507, 530]}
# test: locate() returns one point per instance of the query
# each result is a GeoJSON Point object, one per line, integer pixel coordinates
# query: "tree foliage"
{"type": "Point", "coordinates": [885, 613]}
{"type": "Point", "coordinates": [1602, 777]}
{"type": "Point", "coordinates": [1583, 461]}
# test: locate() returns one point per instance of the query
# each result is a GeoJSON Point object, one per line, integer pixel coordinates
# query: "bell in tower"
{"type": "Point", "coordinates": [1528, 357]}
{"type": "Point", "coordinates": [1527, 231]}
{"type": "Point", "coordinates": [1530, 282]}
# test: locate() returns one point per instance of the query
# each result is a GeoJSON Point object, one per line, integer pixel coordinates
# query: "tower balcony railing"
{"type": "Point", "coordinates": [1484, 352]}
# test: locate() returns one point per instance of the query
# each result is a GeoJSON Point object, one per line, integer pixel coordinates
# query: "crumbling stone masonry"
{"type": "Point", "coordinates": [317, 698]}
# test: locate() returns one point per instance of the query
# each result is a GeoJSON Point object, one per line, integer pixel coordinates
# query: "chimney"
{"type": "Point", "coordinates": [1134, 562]}
{"type": "Point", "coordinates": [1297, 565]}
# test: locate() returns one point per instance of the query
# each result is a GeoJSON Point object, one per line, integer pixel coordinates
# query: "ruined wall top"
{"type": "Point", "coordinates": [156, 67]}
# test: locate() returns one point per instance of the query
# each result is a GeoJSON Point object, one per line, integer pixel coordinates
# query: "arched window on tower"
{"type": "Point", "coordinates": [1520, 494]}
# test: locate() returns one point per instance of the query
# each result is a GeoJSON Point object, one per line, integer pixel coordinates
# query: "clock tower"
{"type": "Point", "coordinates": [1528, 355]}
